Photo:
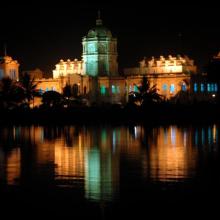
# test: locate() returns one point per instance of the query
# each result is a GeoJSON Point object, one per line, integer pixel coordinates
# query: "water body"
{"type": "Point", "coordinates": [109, 171]}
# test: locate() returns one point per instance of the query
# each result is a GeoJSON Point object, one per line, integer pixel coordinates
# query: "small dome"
{"type": "Point", "coordinates": [99, 31]}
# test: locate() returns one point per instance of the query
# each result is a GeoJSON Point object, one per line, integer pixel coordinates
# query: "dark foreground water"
{"type": "Point", "coordinates": [105, 172]}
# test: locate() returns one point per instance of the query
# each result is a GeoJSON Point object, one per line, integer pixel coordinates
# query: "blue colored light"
{"type": "Point", "coordinates": [212, 87]}
{"type": "Point", "coordinates": [135, 88]}
{"type": "Point", "coordinates": [208, 87]}
{"type": "Point", "coordinates": [172, 88]}
{"type": "Point", "coordinates": [184, 87]}
{"type": "Point", "coordinates": [113, 89]}
{"type": "Point", "coordinates": [202, 87]}
{"type": "Point", "coordinates": [216, 87]}
{"type": "Point", "coordinates": [164, 87]}
{"type": "Point", "coordinates": [195, 87]}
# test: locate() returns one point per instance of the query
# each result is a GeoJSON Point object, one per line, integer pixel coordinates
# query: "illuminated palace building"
{"type": "Point", "coordinates": [96, 76]}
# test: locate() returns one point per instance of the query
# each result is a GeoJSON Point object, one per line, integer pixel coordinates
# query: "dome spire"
{"type": "Point", "coordinates": [99, 20]}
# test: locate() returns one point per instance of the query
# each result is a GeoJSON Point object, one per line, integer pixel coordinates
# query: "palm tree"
{"type": "Point", "coordinates": [145, 95]}
{"type": "Point", "coordinates": [11, 93]}
{"type": "Point", "coordinates": [29, 87]}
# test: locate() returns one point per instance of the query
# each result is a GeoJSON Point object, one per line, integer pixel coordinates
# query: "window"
{"type": "Point", "coordinates": [216, 87]}
{"type": "Point", "coordinates": [118, 89]}
{"type": "Point", "coordinates": [183, 87]}
{"type": "Point", "coordinates": [172, 88]}
{"type": "Point", "coordinates": [1, 74]}
{"type": "Point", "coordinates": [195, 87]}
{"type": "Point", "coordinates": [41, 91]}
{"type": "Point", "coordinates": [212, 87]}
{"type": "Point", "coordinates": [202, 87]}
{"type": "Point", "coordinates": [208, 87]}
{"type": "Point", "coordinates": [113, 89]}
{"type": "Point", "coordinates": [135, 88]}
{"type": "Point", "coordinates": [102, 90]}
{"type": "Point", "coordinates": [130, 88]}
{"type": "Point", "coordinates": [164, 87]}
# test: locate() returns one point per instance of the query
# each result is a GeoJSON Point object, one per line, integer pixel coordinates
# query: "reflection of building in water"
{"type": "Point", "coordinates": [91, 158]}
{"type": "Point", "coordinates": [101, 164]}
{"type": "Point", "coordinates": [13, 166]}
{"type": "Point", "coordinates": [171, 155]}
{"type": "Point", "coordinates": [10, 157]}
{"type": "Point", "coordinates": [69, 161]}
{"type": "Point", "coordinates": [10, 166]}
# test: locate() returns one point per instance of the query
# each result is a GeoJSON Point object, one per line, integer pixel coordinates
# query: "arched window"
{"type": "Point", "coordinates": [208, 87]}
{"type": "Point", "coordinates": [195, 87]}
{"type": "Point", "coordinates": [216, 87]}
{"type": "Point", "coordinates": [212, 87]}
{"type": "Point", "coordinates": [184, 87]}
{"type": "Point", "coordinates": [135, 88]}
{"type": "Point", "coordinates": [102, 90]}
{"type": "Point", "coordinates": [172, 88]}
{"type": "Point", "coordinates": [41, 91]}
{"type": "Point", "coordinates": [1, 73]}
{"type": "Point", "coordinates": [113, 89]}
{"type": "Point", "coordinates": [118, 89]}
{"type": "Point", "coordinates": [164, 87]}
{"type": "Point", "coordinates": [202, 87]}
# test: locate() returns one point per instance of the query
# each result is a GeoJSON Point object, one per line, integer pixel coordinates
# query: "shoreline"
{"type": "Point", "coordinates": [157, 114]}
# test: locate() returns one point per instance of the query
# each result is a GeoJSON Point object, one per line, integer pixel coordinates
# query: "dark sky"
{"type": "Point", "coordinates": [39, 34]}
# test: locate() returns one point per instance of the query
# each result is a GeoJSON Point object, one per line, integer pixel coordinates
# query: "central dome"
{"type": "Point", "coordinates": [99, 30]}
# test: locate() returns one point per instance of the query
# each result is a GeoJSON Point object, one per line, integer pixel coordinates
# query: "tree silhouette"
{"type": "Point", "coordinates": [11, 94]}
{"type": "Point", "coordinates": [29, 87]}
{"type": "Point", "coordinates": [145, 95]}
{"type": "Point", "coordinates": [51, 99]}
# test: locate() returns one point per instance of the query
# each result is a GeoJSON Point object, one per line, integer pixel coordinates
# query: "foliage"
{"type": "Point", "coordinates": [145, 95]}
{"type": "Point", "coordinates": [29, 87]}
{"type": "Point", "coordinates": [11, 94]}
{"type": "Point", "coordinates": [51, 99]}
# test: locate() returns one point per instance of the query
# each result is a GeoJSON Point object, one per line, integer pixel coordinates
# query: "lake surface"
{"type": "Point", "coordinates": [104, 170]}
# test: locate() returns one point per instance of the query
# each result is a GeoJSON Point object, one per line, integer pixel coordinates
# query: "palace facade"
{"type": "Point", "coordinates": [96, 76]}
{"type": "Point", "coordinates": [9, 68]}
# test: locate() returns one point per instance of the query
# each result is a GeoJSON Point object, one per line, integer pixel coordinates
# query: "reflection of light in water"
{"type": "Point", "coordinates": [173, 135]}
{"type": "Point", "coordinates": [171, 160]}
{"type": "Point", "coordinates": [214, 133]}
{"type": "Point", "coordinates": [114, 140]}
{"type": "Point", "coordinates": [69, 161]}
{"type": "Point", "coordinates": [104, 137]}
{"type": "Point", "coordinates": [203, 136]}
{"type": "Point", "coordinates": [196, 137]}
{"type": "Point", "coordinates": [135, 132]}
{"type": "Point", "coordinates": [98, 175]}
{"type": "Point", "coordinates": [93, 175]}
{"type": "Point", "coordinates": [165, 136]}
{"type": "Point", "coordinates": [209, 135]}
{"type": "Point", "coordinates": [13, 166]}
{"type": "Point", "coordinates": [184, 138]}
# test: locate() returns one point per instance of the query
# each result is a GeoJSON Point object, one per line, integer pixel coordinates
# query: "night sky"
{"type": "Point", "coordinates": [39, 35]}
